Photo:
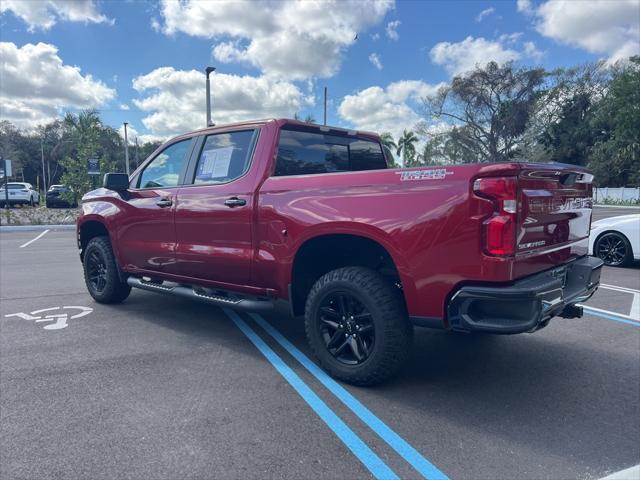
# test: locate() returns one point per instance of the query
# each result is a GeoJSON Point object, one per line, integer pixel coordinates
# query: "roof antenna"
{"type": "Point", "coordinates": [208, 71]}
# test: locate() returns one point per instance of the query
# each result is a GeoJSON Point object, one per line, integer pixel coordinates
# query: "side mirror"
{"type": "Point", "coordinates": [118, 182]}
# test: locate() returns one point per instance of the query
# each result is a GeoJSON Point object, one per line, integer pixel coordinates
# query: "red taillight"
{"type": "Point", "coordinates": [500, 228]}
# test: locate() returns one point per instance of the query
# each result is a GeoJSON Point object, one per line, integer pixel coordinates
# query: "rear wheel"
{"type": "Point", "coordinates": [613, 249]}
{"type": "Point", "coordinates": [101, 273]}
{"type": "Point", "coordinates": [357, 325]}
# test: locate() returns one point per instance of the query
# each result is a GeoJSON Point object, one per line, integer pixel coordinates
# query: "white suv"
{"type": "Point", "coordinates": [20, 193]}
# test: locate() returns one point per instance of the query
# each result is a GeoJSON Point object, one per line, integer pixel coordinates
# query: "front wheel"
{"type": "Point", "coordinates": [357, 325]}
{"type": "Point", "coordinates": [613, 249]}
{"type": "Point", "coordinates": [101, 273]}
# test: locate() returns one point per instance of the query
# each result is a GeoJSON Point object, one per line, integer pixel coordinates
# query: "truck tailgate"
{"type": "Point", "coordinates": [554, 211]}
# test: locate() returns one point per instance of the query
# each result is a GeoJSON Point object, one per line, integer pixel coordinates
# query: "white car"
{"type": "Point", "coordinates": [616, 240]}
{"type": "Point", "coordinates": [20, 193]}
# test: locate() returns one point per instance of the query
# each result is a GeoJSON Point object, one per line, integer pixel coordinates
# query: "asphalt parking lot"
{"type": "Point", "coordinates": [163, 388]}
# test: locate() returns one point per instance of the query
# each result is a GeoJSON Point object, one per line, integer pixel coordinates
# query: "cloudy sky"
{"type": "Point", "coordinates": [142, 61]}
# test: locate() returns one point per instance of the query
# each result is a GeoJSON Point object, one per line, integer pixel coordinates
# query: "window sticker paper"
{"type": "Point", "coordinates": [215, 163]}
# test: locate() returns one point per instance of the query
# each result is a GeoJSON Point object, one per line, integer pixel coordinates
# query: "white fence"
{"type": "Point", "coordinates": [617, 194]}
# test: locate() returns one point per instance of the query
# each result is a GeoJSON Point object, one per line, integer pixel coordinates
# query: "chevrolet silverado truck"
{"type": "Point", "coordinates": [248, 214]}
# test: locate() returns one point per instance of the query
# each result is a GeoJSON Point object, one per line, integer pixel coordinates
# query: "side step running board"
{"type": "Point", "coordinates": [203, 295]}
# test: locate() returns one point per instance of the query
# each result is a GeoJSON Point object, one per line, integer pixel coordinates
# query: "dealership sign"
{"type": "Point", "coordinates": [93, 166]}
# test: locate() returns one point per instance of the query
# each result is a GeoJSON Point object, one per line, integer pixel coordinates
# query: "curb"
{"type": "Point", "coordinates": [616, 206]}
{"type": "Point", "coordinates": [31, 228]}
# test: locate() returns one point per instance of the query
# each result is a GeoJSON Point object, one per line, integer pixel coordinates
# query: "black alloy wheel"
{"type": "Point", "coordinates": [347, 328]}
{"type": "Point", "coordinates": [357, 325]}
{"type": "Point", "coordinates": [97, 271]}
{"type": "Point", "coordinates": [101, 273]}
{"type": "Point", "coordinates": [613, 249]}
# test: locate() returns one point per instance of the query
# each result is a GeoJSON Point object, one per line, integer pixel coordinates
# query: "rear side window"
{"type": "Point", "coordinates": [304, 153]}
{"type": "Point", "coordinates": [164, 170]}
{"type": "Point", "coordinates": [224, 157]}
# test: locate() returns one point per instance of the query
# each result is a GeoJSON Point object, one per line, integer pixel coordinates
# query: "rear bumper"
{"type": "Point", "coordinates": [527, 304]}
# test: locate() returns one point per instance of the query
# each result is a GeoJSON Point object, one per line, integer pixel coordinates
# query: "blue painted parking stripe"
{"type": "Point", "coordinates": [369, 459]}
{"type": "Point", "coordinates": [610, 317]}
{"type": "Point", "coordinates": [395, 441]}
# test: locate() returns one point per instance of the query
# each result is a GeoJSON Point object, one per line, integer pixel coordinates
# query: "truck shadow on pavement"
{"type": "Point", "coordinates": [545, 392]}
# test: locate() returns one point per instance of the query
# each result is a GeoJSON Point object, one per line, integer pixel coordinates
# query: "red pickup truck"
{"type": "Point", "coordinates": [245, 214]}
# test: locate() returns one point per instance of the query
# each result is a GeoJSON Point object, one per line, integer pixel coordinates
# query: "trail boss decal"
{"type": "Point", "coordinates": [411, 175]}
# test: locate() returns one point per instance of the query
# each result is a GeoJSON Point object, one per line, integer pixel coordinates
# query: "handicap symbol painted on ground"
{"type": "Point", "coordinates": [59, 318]}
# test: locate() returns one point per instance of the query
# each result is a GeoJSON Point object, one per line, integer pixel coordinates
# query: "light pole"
{"type": "Point", "coordinates": [126, 148]}
{"type": "Point", "coordinates": [325, 106]}
{"type": "Point", "coordinates": [208, 71]}
{"type": "Point", "coordinates": [44, 176]}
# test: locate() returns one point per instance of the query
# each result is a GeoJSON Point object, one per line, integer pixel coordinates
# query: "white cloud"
{"type": "Point", "coordinates": [375, 36]}
{"type": "Point", "coordinates": [484, 13]}
{"type": "Point", "coordinates": [132, 134]}
{"type": "Point", "coordinates": [124, 106]}
{"type": "Point", "coordinates": [385, 110]}
{"type": "Point", "coordinates": [604, 27]}
{"type": "Point", "coordinates": [374, 58]}
{"type": "Point", "coordinates": [525, 7]}
{"type": "Point", "coordinates": [465, 55]}
{"type": "Point", "coordinates": [510, 37]}
{"type": "Point", "coordinates": [531, 51]}
{"type": "Point", "coordinates": [44, 14]}
{"type": "Point", "coordinates": [392, 30]}
{"type": "Point", "coordinates": [175, 101]}
{"type": "Point", "coordinates": [37, 85]}
{"type": "Point", "coordinates": [155, 25]}
{"type": "Point", "coordinates": [293, 40]}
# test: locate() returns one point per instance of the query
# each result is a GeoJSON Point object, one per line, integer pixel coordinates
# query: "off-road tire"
{"type": "Point", "coordinates": [393, 331]}
{"type": "Point", "coordinates": [114, 290]}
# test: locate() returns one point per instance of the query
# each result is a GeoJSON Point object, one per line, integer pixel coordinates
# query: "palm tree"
{"type": "Point", "coordinates": [307, 119]}
{"type": "Point", "coordinates": [388, 142]}
{"type": "Point", "coordinates": [406, 147]}
{"type": "Point", "coordinates": [83, 124]}
{"type": "Point", "coordinates": [389, 146]}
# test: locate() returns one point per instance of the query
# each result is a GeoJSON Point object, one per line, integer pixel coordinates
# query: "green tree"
{"type": "Point", "coordinates": [490, 106]}
{"type": "Point", "coordinates": [387, 141]}
{"type": "Point", "coordinates": [406, 148]}
{"type": "Point", "coordinates": [307, 119]}
{"type": "Point", "coordinates": [562, 123]}
{"type": "Point", "coordinates": [85, 129]}
{"type": "Point", "coordinates": [389, 146]}
{"type": "Point", "coordinates": [615, 156]}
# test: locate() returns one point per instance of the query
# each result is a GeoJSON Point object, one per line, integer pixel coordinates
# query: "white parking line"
{"type": "Point", "coordinates": [619, 289]}
{"type": "Point", "coordinates": [632, 473]}
{"type": "Point", "coordinates": [31, 241]}
{"type": "Point", "coordinates": [634, 314]}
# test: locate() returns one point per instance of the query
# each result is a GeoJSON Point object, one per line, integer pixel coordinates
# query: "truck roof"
{"type": "Point", "coordinates": [286, 121]}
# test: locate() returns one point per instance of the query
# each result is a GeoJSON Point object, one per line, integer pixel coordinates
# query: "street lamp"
{"type": "Point", "coordinates": [44, 175]}
{"type": "Point", "coordinates": [208, 71]}
{"type": "Point", "coordinates": [126, 149]}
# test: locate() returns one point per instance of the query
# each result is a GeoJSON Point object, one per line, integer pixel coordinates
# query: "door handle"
{"type": "Point", "coordinates": [164, 202]}
{"type": "Point", "coordinates": [235, 202]}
